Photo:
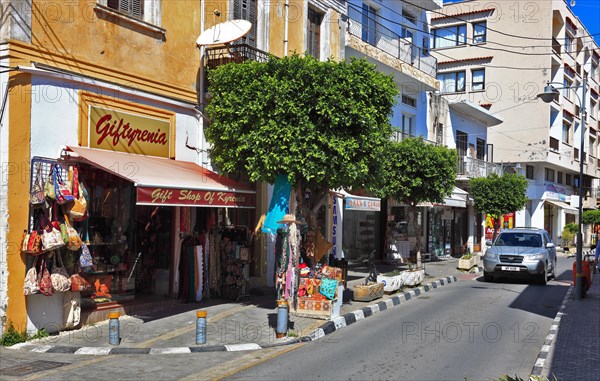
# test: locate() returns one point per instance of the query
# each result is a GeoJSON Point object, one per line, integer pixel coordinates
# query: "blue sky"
{"type": "Point", "coordinates": [588, 12]}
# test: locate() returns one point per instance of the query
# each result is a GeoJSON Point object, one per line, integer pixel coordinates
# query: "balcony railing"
{"type": "Point", "coordinates": [234, 53]}
{"type": "Point", "coordinates": [472, 168]}
{"type": "Point", "coordinates": [368, 29]}
{"type": "Point", "coordinates": [398, 136]}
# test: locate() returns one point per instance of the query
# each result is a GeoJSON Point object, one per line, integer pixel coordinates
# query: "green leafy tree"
{"type": "Point", "coordinates": [323, 124]}
{"type": "Point", "coordinates": [591, 217]}
{"type": "Point", "coordinates": [414, 172]}
{"type": "Point", "coordinates": [497, 195]}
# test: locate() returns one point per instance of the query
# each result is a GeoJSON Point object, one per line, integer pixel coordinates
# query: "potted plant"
{"type": "Point", "coordinates": [568, 234]}
{"type": "Point", "coordinates": [468, 260]}
{"type": "Point", "coordinates": [392, 281]}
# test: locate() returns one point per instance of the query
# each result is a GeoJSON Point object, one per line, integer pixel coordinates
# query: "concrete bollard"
{"type": "Point", "coordinates": [201, 327]}
{"type": "Point", "coordinates": [113, 328]}
{"type": "Point", "coordinates": [282, 318]}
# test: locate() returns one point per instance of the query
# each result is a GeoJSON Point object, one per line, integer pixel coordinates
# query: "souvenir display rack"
{"type": "Point", "coordinates": [235, 257]}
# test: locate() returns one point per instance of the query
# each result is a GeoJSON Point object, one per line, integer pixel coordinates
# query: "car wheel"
{"type": "Point", "coordinates": [488, 277]}
{"type": "Point", "coordinates": [543, 279]}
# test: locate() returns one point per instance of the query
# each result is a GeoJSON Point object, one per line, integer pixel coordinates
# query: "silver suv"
{"type": "Point", "coordinates": [522, 252]}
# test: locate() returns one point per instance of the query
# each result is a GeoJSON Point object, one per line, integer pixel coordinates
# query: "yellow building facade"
{"type": "Point", "coordinates": [62, 59]}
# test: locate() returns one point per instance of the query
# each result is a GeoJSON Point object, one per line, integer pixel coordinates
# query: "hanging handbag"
{"type": "Point", "coordinates": [74, 241]}
{"type": "Point", "coordinates": [79, 284]}
{"type": "Point", "coordinates": [36, 195]}
{"type": "Point", "coordinates": [32, 241]}
{"type": "Point", "coordinates": [49, 190]}
{"type": "Point", "coordinates": [45, 282]}
{"type": "Point", "coordinates": [85, 259]}
{"type": "Point", "coordinates": [51, 237]}
{"type": "Point", "coordinates": [30, 285]}
{"type": "Point", "coordinates": [77, 209]}
{"type": "Point", "coordinates": [61, 281]}
{"type": "Point", "coordinates": [63, 194]}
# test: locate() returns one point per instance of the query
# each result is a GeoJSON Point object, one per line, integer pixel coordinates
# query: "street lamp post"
{"type": "Point", "coordinates": [551, 93]}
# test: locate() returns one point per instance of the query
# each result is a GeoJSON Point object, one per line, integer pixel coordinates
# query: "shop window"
{"type": "Point", "coordinates": [549, 174]}
{"type": "Point", "coordinates": [529, 172]}
{"type": "Point", "coordinates": [314, 33]}
{"type": "Point", "coordinates": [450, 36]}
{"type": "Point", "coordinates": [452, 82]}
{"type": "Point", "coordinates": [478, 79]}
{"type": "Point", "coordinates": [479, 32]}
{"type": "Point", "coordinates": [246, 10]}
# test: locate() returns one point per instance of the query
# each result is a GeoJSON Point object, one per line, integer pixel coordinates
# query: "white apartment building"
{"type": "Point", "coordinates": [500, 55]}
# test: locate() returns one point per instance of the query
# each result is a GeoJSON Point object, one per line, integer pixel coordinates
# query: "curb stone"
{"type": "Point", "coordinates": [325, 329]}
{"type": "Point", "coordinates": [538, 367]}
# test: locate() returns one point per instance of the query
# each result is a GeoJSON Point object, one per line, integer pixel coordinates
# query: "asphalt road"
{"type": "Point", "coordinates": [470, 330]}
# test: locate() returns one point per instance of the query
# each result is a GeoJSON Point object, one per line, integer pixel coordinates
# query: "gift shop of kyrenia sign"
{"type": "Point", "coordinates": [120, 131]}
{"type": "Point", "coordinates": [188, 197]}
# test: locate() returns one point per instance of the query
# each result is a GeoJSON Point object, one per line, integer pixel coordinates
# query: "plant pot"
{"type": "Point", "coordinates": [390, 283]}
{"type": "Point", "coordinates": [412, 277]}
{"type": "Point", "coordinates": [466, 264]}
{"type": "Point", "coordinates": [368, 292]}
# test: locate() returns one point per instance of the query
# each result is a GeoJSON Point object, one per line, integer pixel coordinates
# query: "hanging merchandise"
{"type": "Point", "coordinates": [71, 309]}
{"type": "Point", "coordinates": [62, 193]}
{"type": "Point", "coordinates": [85, 259]}
{"type": "Point", "coordinates": [31, 286]}
{"type": "Point", "coordinates": [45, 282]}
{"type": "Point", "coordinates": [32, 241]}
{"type": "Point", "coordinates": [51, 237]}
{"type": "Point", "coordinates": [73, 240]}
{"type": "Point", "coordinates": [77, 209]}
{"type": "Point", "coordinates": [36, 195]}
{"type": "Point", "coordinates": [49, 190]}
{"type": "Point", "coordinates": [59, 276]}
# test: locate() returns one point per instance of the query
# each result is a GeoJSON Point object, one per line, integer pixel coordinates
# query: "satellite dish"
{"type": "Point", "coordinates": [224, 32]}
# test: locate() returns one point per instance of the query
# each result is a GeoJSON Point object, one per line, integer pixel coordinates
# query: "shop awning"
{"type": "Point", "coordinates": [458, 199]}
{"type": "Point", "coordinates": [166, 182]}
{"type": "Point", "coordinates": [567, 208]}
{"type": "Point", "coordinates": [354, 202]}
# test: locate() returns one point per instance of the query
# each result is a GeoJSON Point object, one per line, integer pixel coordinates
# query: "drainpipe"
{"type": "Point", "coordinates": [201, 86]}
{"type": "Point", "coordinates": [285, 27]}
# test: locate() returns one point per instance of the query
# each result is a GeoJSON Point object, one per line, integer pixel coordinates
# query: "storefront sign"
{"type": "Point", "coordinates": [120, 131]}
{"type": "Point", "coordinates": [355, 203]}
{"type": "Point", "coordinates": [506, 222]}
{"type": "Point", "coordinates": [174, 197]}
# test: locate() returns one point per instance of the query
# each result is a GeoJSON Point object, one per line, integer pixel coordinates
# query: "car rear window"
{"type": "Point", "coordinates": [519, 239]}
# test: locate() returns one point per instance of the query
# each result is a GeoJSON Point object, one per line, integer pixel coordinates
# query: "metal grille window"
{"type": "Point", "coordinates": [409, 101]}
{"type": "Point", "coordinates": [246, 10]}
{"type": "Point", "coordinates": [314, 33]}
{"type": "Point", "coordinates": [461, 143]}
{"type": "Point", "coordinates": [133, 8]}
{"type": "Point", "coordinates": [549, 174]}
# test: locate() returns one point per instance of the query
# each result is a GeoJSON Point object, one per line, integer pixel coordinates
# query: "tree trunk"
{"type": "Point", "coordinates": [414, 213]}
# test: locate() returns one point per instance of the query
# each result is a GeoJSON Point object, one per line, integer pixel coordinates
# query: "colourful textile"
{"type": "Point", "coordinates": [279, 204]}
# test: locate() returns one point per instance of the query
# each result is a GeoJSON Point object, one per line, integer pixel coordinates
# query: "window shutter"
{"type": "Point", "coordinates": [124, 6]}
{"type": "Point", "coordinates": [137, 8]}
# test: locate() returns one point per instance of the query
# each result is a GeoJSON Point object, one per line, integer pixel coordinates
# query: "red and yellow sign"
{"type": "Point", "coordinates": [189, 197]}
{"type": "Point", "coordinates": [506, 222]}
{"type": "Point", "coordinates": [125, 132]}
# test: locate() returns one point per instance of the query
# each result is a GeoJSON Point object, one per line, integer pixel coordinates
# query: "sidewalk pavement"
{"type": "Point", "coordinates": [234, 326]}
{"type": "Point", "coordinates": [572, 348]}
{"type": "Point", "coordinates": [570, 351]}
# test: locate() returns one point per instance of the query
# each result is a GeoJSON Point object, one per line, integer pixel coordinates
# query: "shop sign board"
{"type": "Point", "coordinates": [360, 203]}
{"type": "Point", "coordinates": [190, 197]}
{"type": "Point", "coordinates": [506, 222]}
{"type": "Point", "coordinates": [125, 132]}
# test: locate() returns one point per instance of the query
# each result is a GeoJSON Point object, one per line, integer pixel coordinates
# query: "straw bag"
{"type": "Point", "coordinates": [59, 277]}
{"type": "Point", "coordinates": [74, 241]}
